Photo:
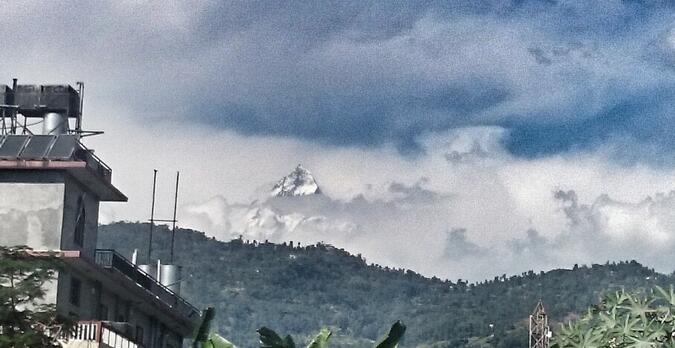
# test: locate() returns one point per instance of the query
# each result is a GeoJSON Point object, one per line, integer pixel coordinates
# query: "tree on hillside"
{"type": "Point", "coordinates": [24, 320]}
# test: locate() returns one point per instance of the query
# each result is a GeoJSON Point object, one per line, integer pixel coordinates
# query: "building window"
{"type": "Point", "coordinates": [139, 335]}
{"type": "Point", "coordinates": [103, 312]}
{"type": "Point", "coordinates": [80, 222]}
{"type": "Point", "coordinates": [75, 291]}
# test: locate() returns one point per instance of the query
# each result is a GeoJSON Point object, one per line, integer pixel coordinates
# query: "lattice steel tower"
{"type": "Point", "coordinates": [539, 331]}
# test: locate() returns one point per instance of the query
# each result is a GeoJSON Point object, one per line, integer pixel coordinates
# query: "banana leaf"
{"type": "Point", "coordinates": [270, 339]}
{"type": "Point", "coordinates": [395, 334]}
{"type": "Point", "coordinates": [320, 340]}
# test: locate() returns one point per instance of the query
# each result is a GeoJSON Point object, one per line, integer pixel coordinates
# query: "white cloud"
{"type": "Point", "coordinates": [398, 211]}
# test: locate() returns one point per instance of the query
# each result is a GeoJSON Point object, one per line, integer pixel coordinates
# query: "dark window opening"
{"type": "Point", "coordinates": [103, 312]}
{"type": "Point", "coordinates": [75, 291]}
{"type": "Point", "coordinates": [79, 223]}
{"type": "Point", "coordinates": [139, 335]}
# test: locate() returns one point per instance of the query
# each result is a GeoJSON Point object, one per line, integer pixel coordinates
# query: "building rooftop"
{"type": "Point", "coordinates": [64, 152]}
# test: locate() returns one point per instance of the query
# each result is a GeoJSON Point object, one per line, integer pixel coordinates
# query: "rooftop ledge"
{"type": "Point", "coordinates": [59, 152]}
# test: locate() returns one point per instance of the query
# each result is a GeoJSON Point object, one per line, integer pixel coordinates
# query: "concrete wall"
{"type": "Point", "coordinates": [31, 214]}
{"type": "Point", "coordinates": [40, 209]}
{"type": "Point", "coordinates": [74, 192]}
{"type": "Point", "coordinates": [88, 306]}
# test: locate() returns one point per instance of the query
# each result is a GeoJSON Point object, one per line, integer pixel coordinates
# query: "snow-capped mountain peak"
{"type": "Point", "coordinates": [299, 182]}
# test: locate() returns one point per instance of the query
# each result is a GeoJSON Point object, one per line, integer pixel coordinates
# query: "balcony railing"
{"type": "Point", "coordinates": [107, 258]}
{"type": "Point", "coordinates": [102, 332]}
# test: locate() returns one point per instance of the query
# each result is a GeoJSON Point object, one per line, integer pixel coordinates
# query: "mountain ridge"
{"type": "Point", "coordinates": [297, 290]}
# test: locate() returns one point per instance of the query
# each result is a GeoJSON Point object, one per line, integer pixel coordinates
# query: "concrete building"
{"type": "Point", "coordinates": [50, 189]}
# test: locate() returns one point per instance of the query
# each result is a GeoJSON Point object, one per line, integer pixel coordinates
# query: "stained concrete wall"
{"type": "Point", "coordinates": [31, 214]}
{"type": "Point", "coordinates": [74, 192]}
{"type": "Point", "coordinates": [40, 208]}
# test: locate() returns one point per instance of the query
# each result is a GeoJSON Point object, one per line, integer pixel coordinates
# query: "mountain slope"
{"type": "Point", "coordinates": [298, 290]}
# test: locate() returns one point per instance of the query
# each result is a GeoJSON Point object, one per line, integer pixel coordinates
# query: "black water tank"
{"type": "Point", "coordinates": [35, 100]}
{"type": "Point", "coordinates": [59, 98]}
{"type": "Point", "coordinates": [6, 95]}
{"type": "Point", "coordinates": [27, 97]}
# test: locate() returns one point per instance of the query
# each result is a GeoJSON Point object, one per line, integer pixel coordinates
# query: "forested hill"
{"type": "Point", "coordinates": [299, 290]}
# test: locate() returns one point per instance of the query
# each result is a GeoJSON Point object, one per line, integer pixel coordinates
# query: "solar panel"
{"type": "Point", "coordinates": [63, 148]}
{"type": "Point", "coordinates": [12, 146]}
{"type": "Point", "coordinates": [37, 147]}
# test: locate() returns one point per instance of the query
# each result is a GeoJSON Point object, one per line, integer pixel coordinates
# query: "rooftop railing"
{"type": "Point", "coordinates": [102, 332]}
{"type": "Point", "coordinates": [93, 162]}
{"type": "Point", "coordinates": [108, 258]}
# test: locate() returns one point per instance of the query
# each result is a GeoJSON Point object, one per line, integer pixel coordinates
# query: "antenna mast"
{"type": "Point", "coordinates": [173, 228]}
{"type": "Point", "coordinates": [540, 333]}
{"type": "Point", "coordinates": [152, 216]}
{"type": "Point", "coordinates": [153, 220]}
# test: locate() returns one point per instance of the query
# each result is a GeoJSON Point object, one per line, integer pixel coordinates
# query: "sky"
{"type": "Point", "coordinates": [461, 139]}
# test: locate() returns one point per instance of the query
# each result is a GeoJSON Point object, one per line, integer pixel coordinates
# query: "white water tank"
{"type": "Point", "coordinates": [151, 270]}
{"type": "Point", "coordinates": [54, 124]}
{"type": "Point", "coordinates": [170, 277]}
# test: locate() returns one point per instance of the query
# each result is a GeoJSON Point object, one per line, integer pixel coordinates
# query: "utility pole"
{"type": "Point", "coordinates": [540, 333]}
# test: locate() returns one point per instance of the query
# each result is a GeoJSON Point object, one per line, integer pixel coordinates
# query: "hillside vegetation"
{"type": "Point", "coordinates": [299, 290]}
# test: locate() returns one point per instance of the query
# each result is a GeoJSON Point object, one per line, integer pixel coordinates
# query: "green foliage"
{"type": "Point", "coordinates": [270, 339]}
{"type": "Point", "coordinates": [630, 320]}
{"type": "Point", "coordinates": [24, 320]}
{"type": "Point", "coordinates": [302, 289]}
{"type": "Point", "coordinates": [216, 341]}
{"type": "Point", "coordinates": [320, 340]}
{"type": "Point", "coordinates": [395, 334]}
{"type": "Point", "coordinates": [204, 328]}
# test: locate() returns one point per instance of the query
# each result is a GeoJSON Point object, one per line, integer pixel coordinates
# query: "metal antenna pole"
{"type": "Point", "coordinates": [175, 205]}
{"type": "Point", "coordinates": [13, 121]}
{"type": "Point", "coordinates": [78, 121]}
{"type": "Point", "coordinates": [152, 216]}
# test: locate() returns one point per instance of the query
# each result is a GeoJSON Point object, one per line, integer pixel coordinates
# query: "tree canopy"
{"type": "Point", "coordinates": [25, 320]}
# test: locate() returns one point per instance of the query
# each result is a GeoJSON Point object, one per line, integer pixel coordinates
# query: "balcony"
{"type": "Point", "coordinates": [110, 259]}
{"type": "Point", "coordinates": [100, 334]}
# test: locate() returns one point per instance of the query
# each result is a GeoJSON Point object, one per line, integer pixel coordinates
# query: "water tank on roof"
{"type": "Point", "coordinates": [38, 100]}
{"type": "Point", "coordinates": [6, 95]}
{"type": "Point", "coordinates": [170, 277]}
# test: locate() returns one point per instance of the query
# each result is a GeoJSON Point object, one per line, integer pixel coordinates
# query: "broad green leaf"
{"type": "Point", "coordinates": [270, 339]}
{"type": "Point", "coordinates": [320, 340]}
{"type": "Point", "coordinates": [202, 333]}
{"type": "Point", "coordinates": [217, 341]}
{"type": "Point", "coordinates": [395, 334]}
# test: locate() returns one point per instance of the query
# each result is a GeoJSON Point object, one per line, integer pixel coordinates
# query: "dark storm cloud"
{"type": "Point", "coordinates": [562, 76]}
{"type": "Point", "coordinates": [364, 74]}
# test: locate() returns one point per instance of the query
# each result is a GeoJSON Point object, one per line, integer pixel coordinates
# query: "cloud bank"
{"type": "Point", "coordinates": [466, 209]}
{"type": "Point", "coordinates": [560, 75]}
{"type": "Point", "coordinates": [462, 139]}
